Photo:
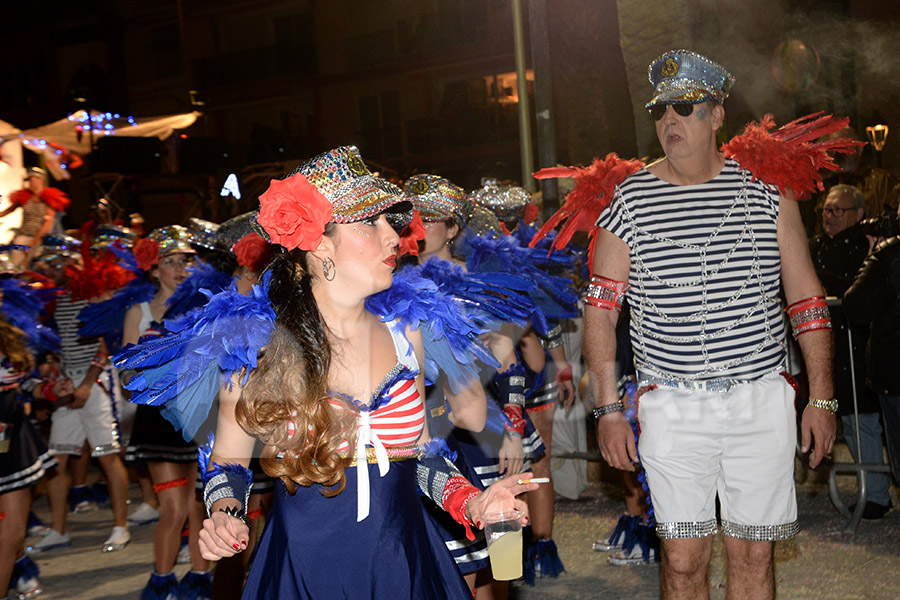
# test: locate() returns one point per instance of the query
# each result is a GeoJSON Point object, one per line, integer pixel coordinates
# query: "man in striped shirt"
{"type": "Point", "coordinates": [702, 252]}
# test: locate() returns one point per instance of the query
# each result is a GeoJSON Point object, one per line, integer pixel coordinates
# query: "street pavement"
{"type": "Point", "coordinates": [821, 563]}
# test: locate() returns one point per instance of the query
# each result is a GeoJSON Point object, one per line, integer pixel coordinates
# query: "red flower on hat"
{"type": "Point", "coordinates": [531, 213]}
{"type": "Point", "coordinates": [252, 251]}
{"type": "Point", "coordinates": [294, 213]}
{"type": "Point", "coordinates": [412, 233]}
{"type": "Point", "coordinates": [146, 252]}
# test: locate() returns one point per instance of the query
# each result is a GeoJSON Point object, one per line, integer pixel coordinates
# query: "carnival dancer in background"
{"type": "Point", "coordinates": [89, 413]}
{"type": "Point", "coordinates": [335, 385]}
{"type": "Point", "coordinates": [39, 204]}
{"type": "Point", "coordinates": [24, 458]}
{"type": "Point", "coordinates": [165, 254]}
{"type": "Point", "coordinates": [701, 243]}
{"type": "Point", "coordinates": [493, 450]}
{"type": "Point", "coordinates": [548, 375]}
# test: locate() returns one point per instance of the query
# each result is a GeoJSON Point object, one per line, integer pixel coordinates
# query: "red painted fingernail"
{"type": "Point", "coordinates": [244, 544]}
{"type": "Point", "coordinates": [235, 546]}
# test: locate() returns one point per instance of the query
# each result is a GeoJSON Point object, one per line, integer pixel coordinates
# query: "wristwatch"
{"type": "Point", "coordinates": [831, 404]}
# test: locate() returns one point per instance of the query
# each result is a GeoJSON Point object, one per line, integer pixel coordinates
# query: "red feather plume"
{"type": "Point", "coordinates": [789, 158]}
{"type": "Point", "coordinates": [593, 191]}
{"type": "Point", "coordinates": [55, 198]}
{"type": "Point", "coordinates": [97, 276]}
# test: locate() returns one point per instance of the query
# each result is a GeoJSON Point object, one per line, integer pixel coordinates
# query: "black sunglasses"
{"type": "Point", "coordinates": [658, 110]}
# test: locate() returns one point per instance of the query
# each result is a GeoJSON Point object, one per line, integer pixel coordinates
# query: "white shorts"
{"type": "Point", "coordinates": [739, 445]}
{"type": "Point", "coordinates": [95, 422]}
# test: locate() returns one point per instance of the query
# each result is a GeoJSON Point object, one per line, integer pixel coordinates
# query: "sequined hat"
{"type": "Point", "coordinates": [344, 179]}
{"type": "Point", "coordinates": [59, 246]}
{"type": "Point", "coordinates": [505, 201]}
{"type": "Point", "coordinates": [205, 234]}
{"type": "Point", "coordinates": [172, 239]}
{"type": "Point", "coordinates": [110, 234]}
{"type": "Point", "coordinates": [685, 77]}
{"type": "Point", "coordinates": [232, 230]}
{"type": "Point", "coordinates": [437, 199]}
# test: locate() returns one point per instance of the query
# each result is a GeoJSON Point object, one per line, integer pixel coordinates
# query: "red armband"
{"type": "Point", "coordinates": [47, 391]}
{"type": "Point", "coordinates": [809, 314]}
{"type": "Point", "coordinates": [516, 425]}
{"type": "Point", "coordinates": [605, 293]}
{"type": "Point", "coordinates": [455, 499]}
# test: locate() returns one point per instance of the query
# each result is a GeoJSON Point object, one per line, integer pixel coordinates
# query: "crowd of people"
{"type": "Point", "coordinates": [360, 361]}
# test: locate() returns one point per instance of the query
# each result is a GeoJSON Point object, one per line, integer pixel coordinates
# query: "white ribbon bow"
{"type": "Point", "coordinates": [366, 435]}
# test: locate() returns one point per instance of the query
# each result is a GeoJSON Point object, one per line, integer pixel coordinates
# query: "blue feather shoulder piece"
{"type": "Point", "coordinates": [107, 318]}
{"type": "Point", "coordinates": [451, 338]}
{"type": "Point", "coordinates": [553, 296]}
{"type": "Point", "coordinates": [190, 294]}
{"type": "Point", "coordinates": [21, 307]}
{"type": "Point", "coordinates": [127, 259]}
{"type": "Point", "coordinates": [489, 299]}
{"type": "Point", "coordinates": [182, 371]}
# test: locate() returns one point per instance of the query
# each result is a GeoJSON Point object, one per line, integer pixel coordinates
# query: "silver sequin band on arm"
{"type": "Point", "coordinates": [553, 339]}
{"type": "Point", "coordinates": [603, 292]}
{"type": "Point", "coordinates": [808, 315]}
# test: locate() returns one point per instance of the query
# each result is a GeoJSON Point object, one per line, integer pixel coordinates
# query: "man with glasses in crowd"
{"type": "Point", "coordinates": [838, 252]}
{"type": "Point", "coordinates": [702, 251]}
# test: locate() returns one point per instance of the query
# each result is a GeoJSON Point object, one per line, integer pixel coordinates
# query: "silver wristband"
{"type": "Point", "coordinates": [617, 406]}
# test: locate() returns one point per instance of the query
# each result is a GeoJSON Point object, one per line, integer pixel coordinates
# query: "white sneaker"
{"type": "Point", "coordinates": [52, 540]}
{"type": "Point", "coordinates": [28, 588]}
{"type": "Point", "coordinates": [184, 555]}
{"type": "Point", "coordinates": [635, 557]}
{"type": "Point", "coordinates": [118, 539]}
{"type": "Point", "coordinates": [143, 515]}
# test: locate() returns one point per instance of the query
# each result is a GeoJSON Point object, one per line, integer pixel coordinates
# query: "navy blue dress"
{"type": "Point", "coordinates": [314, 548]}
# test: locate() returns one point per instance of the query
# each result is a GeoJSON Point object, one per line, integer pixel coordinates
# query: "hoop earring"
{"type": "Point", "coordinates": [328, 269]}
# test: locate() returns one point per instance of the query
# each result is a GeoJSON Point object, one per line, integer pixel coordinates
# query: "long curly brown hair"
{"type": "Point", "coordinates": [291, 384]}
{"type": "Point", "coordinates": [12, 345]}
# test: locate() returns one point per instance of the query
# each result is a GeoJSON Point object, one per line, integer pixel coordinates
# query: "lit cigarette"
{"type": "Point", "coordinates": [535, 480]}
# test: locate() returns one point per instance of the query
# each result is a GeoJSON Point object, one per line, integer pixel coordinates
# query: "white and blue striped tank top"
{"type": "Point", "coordinates": [705, 274]}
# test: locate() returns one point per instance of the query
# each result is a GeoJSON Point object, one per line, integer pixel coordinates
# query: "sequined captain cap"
{"type": "Point", "coordinates": [7, 265]}
{"type": "Point", "coordinates": [505, 201]}
{"type": "Point", "coordinates": [59, 246]}
{"type": "Point", "coordinates": [437, 199]}
{"type": "Point", "coordinates": [685, 77]}
{"type": "Point", "coordinates": [106, 235]}
{"type": "Point", "coordinates": [355, 194]}
{"type": "Point", "coordinates": [206, 234]}
{"type": "Point", "coordinates": [172, 239]}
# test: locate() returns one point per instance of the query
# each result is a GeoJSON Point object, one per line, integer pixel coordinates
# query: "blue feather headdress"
{"type": "Point", "coordinates": [182, 371]}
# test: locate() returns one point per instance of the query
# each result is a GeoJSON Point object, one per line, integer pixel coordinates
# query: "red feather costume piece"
{"type": "Point", "coordinates": [97, 276]}
{"type": "Point", "coordinates": [594, 189]}
{"type": "Point", "coordinates": [52, 197]}
{"type": "Point", "coordinates": [789, 158]}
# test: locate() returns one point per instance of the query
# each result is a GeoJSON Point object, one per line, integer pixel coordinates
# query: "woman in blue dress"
{"type": "Point", "coordinates": [337, 397]}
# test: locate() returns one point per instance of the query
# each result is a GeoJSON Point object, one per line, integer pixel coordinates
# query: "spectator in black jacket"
{"type": "Point", "coordinates": [874, 298]}
{"type": "Point", "coordinates": [837, 255]}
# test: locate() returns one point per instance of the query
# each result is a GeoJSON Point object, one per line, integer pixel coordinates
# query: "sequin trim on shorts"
{"type": "Point", "coordinates": [761, 533]}
{"type": "Point", "coordinates": [686, 529]}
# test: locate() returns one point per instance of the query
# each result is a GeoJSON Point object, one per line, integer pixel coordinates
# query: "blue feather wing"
{"type": "Point", "coordinates": [106, 318]}
{"type": "Point", "coordinates": [451, 338]}
{"type": "Point", "coordinates": [182, 371]}
{"type": "Point", "coordinates": [190, 295]}
{"type": "Point", "coordinates": [553, 296]}
{"type": "Point", "coordinates": [21, 307]}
